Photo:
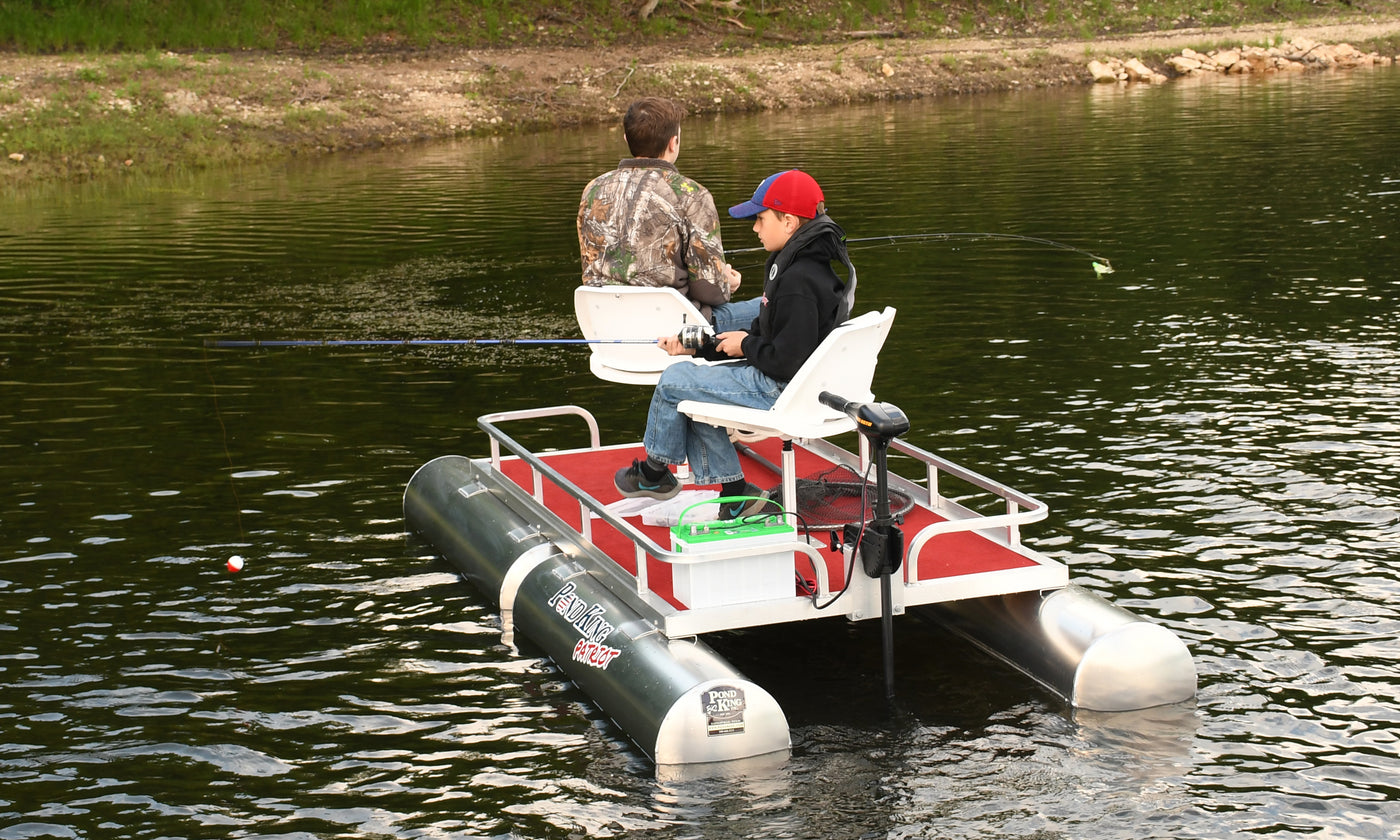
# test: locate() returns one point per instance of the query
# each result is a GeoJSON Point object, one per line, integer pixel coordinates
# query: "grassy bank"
{"type": "Point", "coordinates": [87, 93]}
{"type": "Point", "coordinates": [221, 25]}
{"type": "Point", "coordinates": [85, 116]}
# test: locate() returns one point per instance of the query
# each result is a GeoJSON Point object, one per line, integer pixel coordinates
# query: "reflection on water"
{"type": "Point", "coordinates": [1214, 426]}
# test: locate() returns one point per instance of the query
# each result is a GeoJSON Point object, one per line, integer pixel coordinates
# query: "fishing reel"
{"type": "Point", "coordinates": [696, 336]}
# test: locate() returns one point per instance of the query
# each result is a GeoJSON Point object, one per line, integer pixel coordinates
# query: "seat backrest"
{"type": "Point", "coordinates": [631, 312]}
{"type": "Point", "coordinates": [844, 364]}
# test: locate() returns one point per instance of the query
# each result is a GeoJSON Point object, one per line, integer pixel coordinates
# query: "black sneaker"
{"type": "Point", "coordinates": [632, 483]}
{"type": "Point", "coordinates": [748, 507]}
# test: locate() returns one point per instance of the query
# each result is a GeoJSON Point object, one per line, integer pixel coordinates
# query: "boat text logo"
{"type": "Point", "coordinates": [723, 707]}
{"type": "Point", "coordinates": [588, 619]}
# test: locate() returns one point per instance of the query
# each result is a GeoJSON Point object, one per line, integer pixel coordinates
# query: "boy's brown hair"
{"type": "Point", "coordinates": [650, 124]}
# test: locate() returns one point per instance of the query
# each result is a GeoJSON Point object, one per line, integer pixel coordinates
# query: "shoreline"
{"type": "Point", "coordinates": [90, 117]}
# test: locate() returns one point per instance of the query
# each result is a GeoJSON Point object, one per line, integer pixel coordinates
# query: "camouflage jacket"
{"type": "Point", "coordinates": [646, 224]}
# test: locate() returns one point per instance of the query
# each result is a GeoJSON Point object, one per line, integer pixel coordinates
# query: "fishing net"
{"type": "Point", "coordinates": [829, 500]}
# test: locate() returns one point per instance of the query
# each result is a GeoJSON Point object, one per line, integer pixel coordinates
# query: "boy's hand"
{"type": "Point", "coordinates": [732, 277]}
{"type": "Point", "coordinates": [672, 345]}
{"type": "Point", "coordinates": [732, 343]}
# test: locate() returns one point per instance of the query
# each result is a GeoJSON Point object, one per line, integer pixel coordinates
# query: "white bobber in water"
{"type": "Point", "coordinates": [235, 564]}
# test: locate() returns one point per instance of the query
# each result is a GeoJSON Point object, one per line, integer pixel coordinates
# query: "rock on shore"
{"type": "Point", "coordinates": [1297, 55]}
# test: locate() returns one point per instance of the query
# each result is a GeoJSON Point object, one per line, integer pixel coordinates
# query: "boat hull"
{"type": "Point", "coordinates": [675, 698]}
{"type": "Point", "coordinates": [598, 593]}
{"type": "Point", "coordinates": [1095, 654]}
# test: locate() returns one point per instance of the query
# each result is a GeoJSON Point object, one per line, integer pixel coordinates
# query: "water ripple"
{"type": "Point", "coordinates": [1213, 425]}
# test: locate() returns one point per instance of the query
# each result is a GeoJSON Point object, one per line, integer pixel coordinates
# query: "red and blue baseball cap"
{"type": "Point", "coordinates": [792, 191]}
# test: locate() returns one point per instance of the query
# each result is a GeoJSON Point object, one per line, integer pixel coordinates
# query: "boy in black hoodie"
{"type": "Point", "coordinates": [803, 300]}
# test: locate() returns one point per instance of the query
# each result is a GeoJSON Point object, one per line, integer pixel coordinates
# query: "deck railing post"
{"type": "Point", "coordinates": [641, 561]}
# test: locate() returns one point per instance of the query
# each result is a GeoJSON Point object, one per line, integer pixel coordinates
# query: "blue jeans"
{"type": "Point", "coordinates": [735, 315]}
{"type": "Point", "coordinates": [673, 438]}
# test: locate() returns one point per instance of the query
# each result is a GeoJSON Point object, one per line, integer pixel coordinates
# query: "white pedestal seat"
{"type": "Point", "coordinates": [609, 313]}
{"type": "Point", "coordinates": [844, 364]}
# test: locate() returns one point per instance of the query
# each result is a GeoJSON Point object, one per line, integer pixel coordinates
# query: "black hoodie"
{"type": "Point", "coordinates": [803, 299]}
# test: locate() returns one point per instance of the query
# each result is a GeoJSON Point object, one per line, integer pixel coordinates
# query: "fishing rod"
{"type": "Point", "coordinates": [383, 342]}
{"type": "Point", "coordinates": [691, 336]}
{"type": "Point", "coordinates": [1101, 264]}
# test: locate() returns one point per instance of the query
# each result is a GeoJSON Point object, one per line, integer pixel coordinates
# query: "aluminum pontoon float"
{"type": "Point", "coordinates": [621, 609]}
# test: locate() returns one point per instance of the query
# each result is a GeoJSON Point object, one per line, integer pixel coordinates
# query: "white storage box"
{"type": "Point", "coordinates": [734, 580]}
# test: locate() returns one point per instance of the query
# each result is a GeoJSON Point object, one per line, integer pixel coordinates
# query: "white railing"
{"type": "Point", "coordinates": [859, 595]}
{"type": "Point", "coordinates": [643, 545]}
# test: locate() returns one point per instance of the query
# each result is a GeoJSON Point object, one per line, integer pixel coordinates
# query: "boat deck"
{"type": "Point", "coordinates": [952, 552]}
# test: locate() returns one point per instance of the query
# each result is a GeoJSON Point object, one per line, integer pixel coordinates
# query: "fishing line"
{"type": "Point", "coordinates": [1101, 264]}
{"type": "Point", "coordinates": [223, 430]}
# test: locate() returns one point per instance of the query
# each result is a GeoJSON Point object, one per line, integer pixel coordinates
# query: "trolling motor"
{"type": "Point", "coordinates": [882, 545]}
{"type": "Point", "coordinates": [880, 542]}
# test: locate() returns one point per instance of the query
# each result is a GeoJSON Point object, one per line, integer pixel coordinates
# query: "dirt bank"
{"type": "Point", "coordinates": [85, 116]}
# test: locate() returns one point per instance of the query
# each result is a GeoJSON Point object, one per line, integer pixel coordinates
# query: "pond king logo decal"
{"type": "Point", "coordinates": [724, 707]}
{"type": "Point", "coordinates": [588, 619]}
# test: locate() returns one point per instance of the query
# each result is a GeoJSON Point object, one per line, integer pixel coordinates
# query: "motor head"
{"type": "Point", "coordinates": [882, 420]}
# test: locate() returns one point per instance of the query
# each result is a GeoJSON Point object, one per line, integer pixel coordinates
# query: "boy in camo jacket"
{"type": "Point", "coordinates": [646, 224]}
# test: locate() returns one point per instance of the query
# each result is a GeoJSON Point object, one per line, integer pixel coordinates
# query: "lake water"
{"type": "Point", "coordinates": [1216, 426]}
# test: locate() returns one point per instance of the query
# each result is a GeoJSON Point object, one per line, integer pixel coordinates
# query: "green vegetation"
{"type": "Point", "coordinates": [58, 26]}
{"type": "Point", "coordinates": [116, 113]}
